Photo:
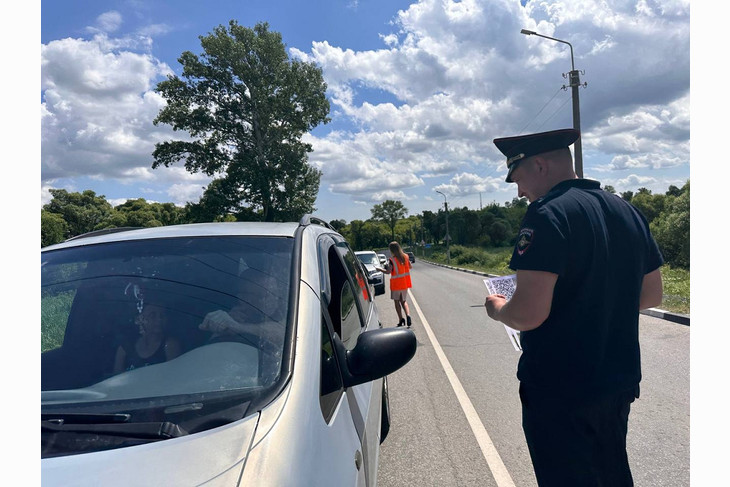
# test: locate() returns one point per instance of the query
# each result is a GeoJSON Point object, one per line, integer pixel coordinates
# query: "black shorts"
{"type": "Point", "coordinates": [578, 443]}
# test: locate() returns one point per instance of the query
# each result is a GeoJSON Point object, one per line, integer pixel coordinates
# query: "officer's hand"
{"type": "Point", "coordinates": [493, 305]}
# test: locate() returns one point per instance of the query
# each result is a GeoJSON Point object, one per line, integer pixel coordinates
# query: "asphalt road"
{"type": "Point", "coordinates": [455, 408]}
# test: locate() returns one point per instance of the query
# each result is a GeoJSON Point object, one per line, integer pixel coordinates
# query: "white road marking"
{"type": "Point", "coordinates": [499, 471]}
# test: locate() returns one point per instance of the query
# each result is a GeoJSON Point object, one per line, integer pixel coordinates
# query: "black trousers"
{"type": "Point", "coordinates": [578, 443]}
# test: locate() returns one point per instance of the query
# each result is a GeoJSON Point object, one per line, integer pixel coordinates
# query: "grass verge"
{"type": "Point", "coordinates": [496, 261]}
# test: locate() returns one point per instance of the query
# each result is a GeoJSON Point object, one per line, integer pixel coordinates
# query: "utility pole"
{"type": "Point", "coordinates": [574, 84]}
{"type": "Point", "coordinates": [448, 237]}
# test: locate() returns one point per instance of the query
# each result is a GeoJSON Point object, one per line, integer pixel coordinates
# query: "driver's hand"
{"type": "Point", "coordinates": [218, 322]}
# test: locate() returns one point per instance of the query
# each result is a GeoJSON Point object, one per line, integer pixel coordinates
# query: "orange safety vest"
{"type": "Point", "coordinates": [400, 275]}
{"type": "Point", "coordinates": [363, 285]}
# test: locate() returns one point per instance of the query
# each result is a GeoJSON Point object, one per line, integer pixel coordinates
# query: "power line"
{"type": "Point", "coordinates": [455, 199]}
{"type": "Point", "coordinates": [554, 113]}
{"type": "Point", "coordinates": [539, 112]}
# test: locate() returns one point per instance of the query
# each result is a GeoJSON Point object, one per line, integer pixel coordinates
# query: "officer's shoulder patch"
{"type": "Point", "coordinates": [524, 239]}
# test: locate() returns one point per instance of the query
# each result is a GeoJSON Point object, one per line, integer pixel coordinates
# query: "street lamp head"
{"type": "Point", "coordinates": [527, 32]}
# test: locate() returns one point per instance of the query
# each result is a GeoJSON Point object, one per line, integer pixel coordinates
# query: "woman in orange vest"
{"type": "Point", "coordinates": [399, 268]}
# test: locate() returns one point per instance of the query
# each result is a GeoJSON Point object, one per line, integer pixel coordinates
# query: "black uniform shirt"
{"type": "Point", "coordinates": [600, 247]}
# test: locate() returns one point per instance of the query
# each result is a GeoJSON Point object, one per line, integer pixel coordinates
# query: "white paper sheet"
{"type": "Point", "coordinates": [505, 285]}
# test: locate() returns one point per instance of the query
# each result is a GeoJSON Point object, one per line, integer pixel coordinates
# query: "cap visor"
{"type": "Point", "coordinates": [511, 169]}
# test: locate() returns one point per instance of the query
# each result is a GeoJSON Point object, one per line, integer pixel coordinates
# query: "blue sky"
{"type": "Point", "coordinates": [418, 90]}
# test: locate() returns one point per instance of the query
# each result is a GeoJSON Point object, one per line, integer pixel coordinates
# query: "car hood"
{"type": "Point", "coordinates": [211, 458]}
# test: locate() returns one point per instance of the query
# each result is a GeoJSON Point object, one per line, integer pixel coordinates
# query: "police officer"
{"type": "Point", "coordinates": [586, 263]}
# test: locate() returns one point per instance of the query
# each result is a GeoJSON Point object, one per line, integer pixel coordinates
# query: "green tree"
{"type": "Point", "coordinates": [338, 224]}
{"type": "Point", "coordinates": [115, 219]}
{"type": "Point", "coordinates": [355, 234]}
{"type": "Point", "coordinates": [141, 213]}
{"type": "Point", "coordinates": [53, 228]}
{"type": "Point", "coordinates": [673, 191]}
{"type": "Point", "coordinates": [138, 213]}
{"type": "Point", "coordinates": [513, 215]}
{"type": "Point", "coordinates": [671, 229]}
{"type": "Point", "coordinates": [246, 106]}
{"type": "Point", "coordinates": [168, 213]}
{"type": "Point", "coordinates": [407, 232]}
{"type": "Point", "coordinates": [431, 226]}
{"type": "Point", "coordinates": [82, 212]}
{"type": "Point", "coordinates": [389, 212]}
{"type": "Point", "coordinates": [499, 231]}
{"type": "Point", "coordinates": [373, 235]}
{"type": "Point", "coordinates": [650, 205]}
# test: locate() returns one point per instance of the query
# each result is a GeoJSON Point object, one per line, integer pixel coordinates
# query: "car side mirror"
{"type": "Point", "coordinates": [377, 353]}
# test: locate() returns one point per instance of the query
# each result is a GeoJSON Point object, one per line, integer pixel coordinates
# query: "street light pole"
{"type": "Point", "coordinates": [574, 79]}
{"type": "Point", "coordinates": [448, 237]}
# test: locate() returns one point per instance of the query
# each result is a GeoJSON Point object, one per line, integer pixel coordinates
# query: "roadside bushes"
{"type": "Point", "coordinates": [671, 230]}
{"type": "Point", "coordinates": [492, 261]}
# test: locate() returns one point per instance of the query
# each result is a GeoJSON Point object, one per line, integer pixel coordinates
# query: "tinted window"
{"type": "Point", "coordinates": [330, 380]}
{"type": "Point", "coordinates": [350, 317]}
{"type": "Point", "coordinates": [357, 273]}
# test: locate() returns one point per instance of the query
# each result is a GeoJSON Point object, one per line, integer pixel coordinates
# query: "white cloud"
{"type": "Point", "coordinates": [107, 22]}
{"type": "Point", "coordinates": [453, 75]}
{"type": "Point", "coordinates": [98, 109]}
{"type": "Point", "coordinates": [650, 136]}
{"type": "Point", "coordinates": [464, 75]}
{"type": "Point", "coordinates": [468, 184]}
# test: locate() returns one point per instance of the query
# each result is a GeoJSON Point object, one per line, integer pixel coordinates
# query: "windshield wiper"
{"type": "Point", "coordinates": [83, 418]}
{"type": "Point", "coordinates": [109, 424]}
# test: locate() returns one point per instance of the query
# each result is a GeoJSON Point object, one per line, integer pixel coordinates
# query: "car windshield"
{"type": "Point", "coordinates": [369, 258]}
{"type": "Point", "coordinates": [164, 328]}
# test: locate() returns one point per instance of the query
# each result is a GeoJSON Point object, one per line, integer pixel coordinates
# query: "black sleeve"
{"type": "Point", "coordinates": [541, 245]}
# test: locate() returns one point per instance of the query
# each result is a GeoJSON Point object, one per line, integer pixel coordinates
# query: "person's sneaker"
{"type": "Point", "coordinates": [409, 321]}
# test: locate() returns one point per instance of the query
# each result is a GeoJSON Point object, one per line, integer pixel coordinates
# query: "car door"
{"type": "Point", "coordinates": [347, 313]}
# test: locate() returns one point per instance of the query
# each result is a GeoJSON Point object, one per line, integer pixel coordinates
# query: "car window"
{"type": "Point", "coordinates": [358, 275]}
{"type": "Point", "coordinates": [350, 317]}
{"type": "Point", "coordinates": [369, 259]}
{"type": "Point", "coordinates": [122, 322]}
{"type": "Point", "coordinates": [56, 305]}
{"type": "Point", "coordinates": [331, 385]}
{"type": "Point", "coordinates": [346, 291]}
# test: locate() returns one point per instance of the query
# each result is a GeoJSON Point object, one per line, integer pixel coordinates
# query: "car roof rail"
{"type": "Point", "coordinates": [103, 231]}
{"type": "Point", "coordinates": [310, 219]}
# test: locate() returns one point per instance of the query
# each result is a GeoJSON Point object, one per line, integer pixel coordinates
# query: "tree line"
{"type": "Point", "coordinates": [70, 214]}
{"type": "Point", "coordinates": [498, 225]}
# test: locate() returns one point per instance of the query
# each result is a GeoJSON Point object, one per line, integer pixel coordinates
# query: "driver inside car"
{"type": "Point", "coordinates": [259, 312]}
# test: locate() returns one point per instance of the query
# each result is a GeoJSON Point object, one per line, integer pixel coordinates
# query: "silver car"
{"type": "Point", "coordinates": [375, 277]}
{"type": "Point", "coordinates": [213, 354]}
